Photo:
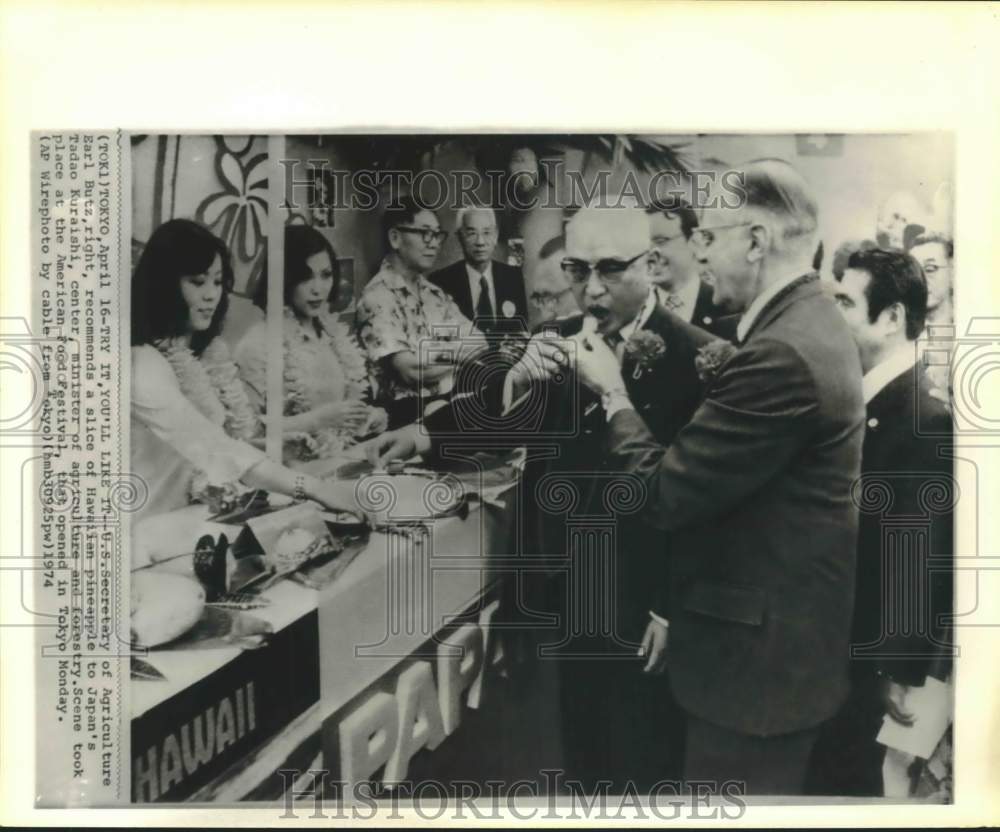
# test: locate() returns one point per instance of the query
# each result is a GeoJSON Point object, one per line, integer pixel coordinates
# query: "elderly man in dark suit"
{"type": "Point", "coordinates": [756, 489]}
{"type": "Point", "coordinates": [904, 579]}
{"type": "Point", "coordinates": [489, 292]}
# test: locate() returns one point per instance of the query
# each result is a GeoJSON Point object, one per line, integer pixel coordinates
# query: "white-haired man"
{"type": "Point", "coordinates": [756, 490]}
{"type": "Point", "coordinates": [487, 291]}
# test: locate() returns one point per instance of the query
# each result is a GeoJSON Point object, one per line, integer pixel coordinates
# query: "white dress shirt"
{"type": "Point", "coordinates": [639, 321]}
{"type": "Point", "coordinates": [475, 286]}
{"type": "Point", "coordinates": [897, 362]}
{"type": "Point", "coordinates": [757, 305]}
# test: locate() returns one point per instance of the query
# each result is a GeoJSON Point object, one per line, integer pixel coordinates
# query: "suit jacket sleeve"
{"type": "Point", "coordinates": [754, 419]}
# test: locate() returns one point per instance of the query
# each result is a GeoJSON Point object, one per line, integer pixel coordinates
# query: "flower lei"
{"type": "Point", "coordinates": [212, 384]}
{"type": "Point", "coordinates": [298, 346]}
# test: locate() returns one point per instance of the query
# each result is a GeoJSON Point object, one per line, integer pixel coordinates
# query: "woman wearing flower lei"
{"type": "Point", "coordinates": [192, 422]}
{"type": "Point", "coordinates": [326, 383]}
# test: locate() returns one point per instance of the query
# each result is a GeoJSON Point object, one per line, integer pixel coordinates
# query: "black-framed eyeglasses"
{"type": "Point", "coordinates": [428, 235]}
{"type": "Point", "coordinates": [609, 269]}
{"type": "Point", "coordinates": [704, 236]}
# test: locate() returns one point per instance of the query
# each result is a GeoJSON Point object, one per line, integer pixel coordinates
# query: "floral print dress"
{"type": "Point", "coordinates": [323, 363]}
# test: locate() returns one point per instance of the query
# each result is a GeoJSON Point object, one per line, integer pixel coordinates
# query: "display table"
{"type": "Point", "coordinates": [225, 718]}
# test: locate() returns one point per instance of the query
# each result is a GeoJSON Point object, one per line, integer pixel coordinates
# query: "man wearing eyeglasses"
{"type": "Point", "coordinates": [756, 491]}
{"type": "Point", "coordinates": [616, 724]}
{"type": "Point", "coordinates": [675, 271]}
{"type": "Point", "coordinates": [487, 291]}
{"type": "Point", "coordinates": [401, 315]}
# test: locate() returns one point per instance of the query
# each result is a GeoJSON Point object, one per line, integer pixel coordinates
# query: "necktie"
{"type": "Point", "coordinates": [484, 308]}
{"type": "Point", "coordinates": [672, 302]}
{"type": "Point", "coordinates": [617, 344]}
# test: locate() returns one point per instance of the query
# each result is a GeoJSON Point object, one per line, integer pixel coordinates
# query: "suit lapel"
{"type": "Point", "coordinates": [459, 280]}
{"type": "Point", "coordinates": [504, 290]}
{"type": "Point", "coordinates": [659, 323]}
{"type": "Point", "coordinates": [888, 406]}
{"type": "Point", "coordinates": [704, 310]}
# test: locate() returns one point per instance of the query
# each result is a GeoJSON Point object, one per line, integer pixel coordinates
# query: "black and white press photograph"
{"type": "Point", "coordinates": [447, 413]}
{"type": "Point", "coordinates": [555, 466]}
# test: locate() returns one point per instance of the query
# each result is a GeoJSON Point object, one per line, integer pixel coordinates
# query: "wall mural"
{"type": "Point", "coordinates": [238, 212]}
{"type": "Point", "coordinates": [220, 181]}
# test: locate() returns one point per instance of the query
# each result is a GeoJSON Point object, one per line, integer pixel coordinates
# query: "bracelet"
{"type": "Point", "coordinates": [299, 492]}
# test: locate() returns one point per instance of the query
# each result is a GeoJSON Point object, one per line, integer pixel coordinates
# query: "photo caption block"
{"type": "Point", "coordinates": [82, 496]}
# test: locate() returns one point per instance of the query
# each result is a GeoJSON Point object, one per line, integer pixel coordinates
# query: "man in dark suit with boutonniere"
{"type": "Point", "coordinates": [488, 292]}
{"type": "Point", "coordinates": [756, 490]}
{"type": "Point", "coordinates": [617, 723]}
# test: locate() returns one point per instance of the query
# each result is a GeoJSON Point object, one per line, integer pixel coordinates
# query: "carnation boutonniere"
{"type": "Point", "coordinates": [645, 348]}
{"type": "Point", "coordinates": [711, 357]}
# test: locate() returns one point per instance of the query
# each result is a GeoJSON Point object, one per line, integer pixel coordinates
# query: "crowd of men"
{"type": "Point", "coordinates": [782, 571]}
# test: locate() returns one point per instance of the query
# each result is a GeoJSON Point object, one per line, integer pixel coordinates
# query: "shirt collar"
{"type": "Point", "coordinates": [758, 304]}
{"type": "Point", "coordinates": [639, 321]}
{"type": "Point", "coordinates": [474, 275]}
{"type": "Point", "coordinates": [890, 368]}
{"type": "Point", "coordinates": [394, 279]}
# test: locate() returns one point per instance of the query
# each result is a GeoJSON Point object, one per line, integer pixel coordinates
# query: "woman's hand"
{"type": "Point", "coordinates": [347, 415]}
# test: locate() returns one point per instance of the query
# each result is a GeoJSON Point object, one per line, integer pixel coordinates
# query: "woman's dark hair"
{"type": "Point", "coordinates": [178, 248]}
{"type": "Point", "coordinates": [301, 243]}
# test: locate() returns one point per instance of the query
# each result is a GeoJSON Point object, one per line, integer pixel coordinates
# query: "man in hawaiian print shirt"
{"type": "Point", "coordinates": [406, 322]}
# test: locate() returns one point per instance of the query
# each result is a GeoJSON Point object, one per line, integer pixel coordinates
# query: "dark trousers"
{"type": "Point", "coordinates": [846, 759]}
{"type": "Point", "coordinates": [618, 725]}
{"type": "Point", "coordinates": [765, 765]}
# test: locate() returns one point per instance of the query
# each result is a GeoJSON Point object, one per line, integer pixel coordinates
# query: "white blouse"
{"type": "Point", "coordinates": [171, 438]}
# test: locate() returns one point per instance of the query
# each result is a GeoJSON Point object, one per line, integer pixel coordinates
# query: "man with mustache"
{"type": "Point", "coordinates": [756, 491]}
{"type": "Point", "coordinates": [617, 725]}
